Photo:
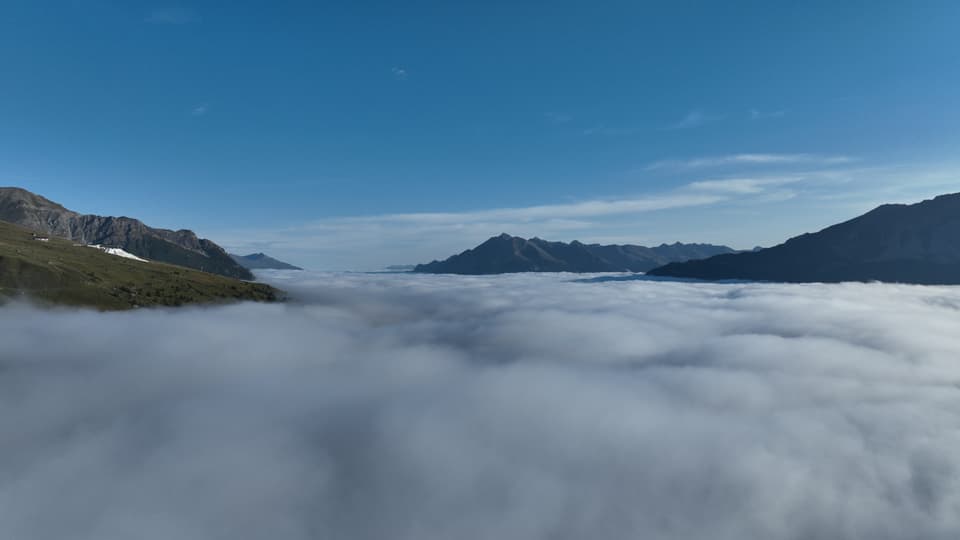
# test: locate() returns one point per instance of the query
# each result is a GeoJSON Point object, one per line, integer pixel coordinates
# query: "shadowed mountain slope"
{"type": "Point", "coordinates": [505, 254]}
{"type": "Point", "coordinates": [917, 243]}
{"type": "Point", "coordinates": [261, 261]}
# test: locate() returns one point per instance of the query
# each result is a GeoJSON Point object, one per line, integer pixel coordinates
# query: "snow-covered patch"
{"type": "Point", "coordinates": [118, 252]}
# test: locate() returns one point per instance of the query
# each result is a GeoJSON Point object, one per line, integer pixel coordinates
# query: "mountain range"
{"type": "Point", "coordinates": [261, 261]}
{"type": "Point", "coordinates": [182, 247]}
{"type": "Point", "coordinates": [916, 243]}
{"type": "Point", "coordinates": [505, 254]}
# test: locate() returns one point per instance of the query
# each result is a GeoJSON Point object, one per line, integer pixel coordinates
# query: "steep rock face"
{"type": "Point", "coordinates": [506, 254]}
{"type": "Point", "coordinates": [918, 243]}
{"type": "Point", "coordinates": [182, 247]}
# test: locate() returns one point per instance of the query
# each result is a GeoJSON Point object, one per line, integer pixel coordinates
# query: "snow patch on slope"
{"type": "Point", "coordinates": [118, 252]}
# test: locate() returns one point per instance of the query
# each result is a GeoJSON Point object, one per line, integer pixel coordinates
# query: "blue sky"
{"type": "Point", "coordinates": [352, 135]}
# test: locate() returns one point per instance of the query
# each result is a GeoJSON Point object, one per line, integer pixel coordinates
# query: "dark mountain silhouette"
{"type": "Point", "coordinates": [917, 243]}
{"type": "Point", "coordinates": [505, 254]}
{"type": "Point", "coordinates": [260, 261]}
{"type": "Point", "coordinates": [632, 258]}
{"type": "Point", "coordinates": [183, 248]}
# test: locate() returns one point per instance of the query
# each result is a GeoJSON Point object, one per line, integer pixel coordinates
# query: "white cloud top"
{"type": "Point", "coordinates": [514, 407]}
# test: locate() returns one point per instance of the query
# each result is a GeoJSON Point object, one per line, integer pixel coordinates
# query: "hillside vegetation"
{"type": "Point", "coordinates": [58, 272]}
{"type": "Point", "coordinates": [182, 247]}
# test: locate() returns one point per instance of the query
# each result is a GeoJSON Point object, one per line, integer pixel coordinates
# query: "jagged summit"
{"type": "Point", "coordinates": [505, 253]}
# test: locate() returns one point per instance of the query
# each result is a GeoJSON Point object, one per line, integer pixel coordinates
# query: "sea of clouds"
{"type": "Point", "coordinates": [396, 406]}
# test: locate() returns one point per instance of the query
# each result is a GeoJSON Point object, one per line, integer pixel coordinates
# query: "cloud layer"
{"type": "Point", "coordinates": [511, 407]}
{"type": "Point", "coordinates": [750, 159]}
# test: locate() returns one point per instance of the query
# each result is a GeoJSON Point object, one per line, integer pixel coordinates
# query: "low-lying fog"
{"type": "Point", "coordinates": [396, 407]}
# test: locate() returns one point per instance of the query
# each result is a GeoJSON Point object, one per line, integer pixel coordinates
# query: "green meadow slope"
{"type": "Point", "coordinates": [58, 272]}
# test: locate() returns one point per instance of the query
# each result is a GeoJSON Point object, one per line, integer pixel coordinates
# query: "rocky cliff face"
{"type": "Point", "coordinates": [918, 243]}
{"type": "Point", "coordinates": [182, 247]}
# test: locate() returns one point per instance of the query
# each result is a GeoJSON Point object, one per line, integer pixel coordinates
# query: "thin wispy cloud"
{"type": "Point", "coordinates": [694, 119]}
{"type": "Point", "coordinates": [612, 131]}
{"type": "Point", "coordinates": [399, 73]}
{"type": "Point", "coordinates": [750, 159]}
{"type": "Point", "coordinates": [585, 209]}
{"type": "Point", "coordinates": [200, 110]}
{"type": "Point", "coordinates": [756, 114]}
{"type": "Point", "coordinates": [172, 15]}
{"type": "Point", "coordinates": [558, 117]}
{"type": "Point", "coordinates": [743, 186]}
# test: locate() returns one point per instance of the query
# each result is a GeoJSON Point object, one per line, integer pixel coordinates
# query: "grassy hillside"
{"type": "Point", "coordinates": [60, 273]}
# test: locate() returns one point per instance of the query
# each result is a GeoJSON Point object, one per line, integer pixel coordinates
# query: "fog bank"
{"type": "Point", "coordinates": [393, 406]}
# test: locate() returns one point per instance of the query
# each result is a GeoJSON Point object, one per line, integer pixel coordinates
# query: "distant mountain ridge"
{"type": "Point", "coordinates": [183, 247]}
{"type": "Point", "coordinates": [400, 268]}
{"type": "Point", "coordinates": [261, 261]}
{"type": "Point", "coordinates": [916, 243]}
{"type": "Point", "coordinates": [505, 254]}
